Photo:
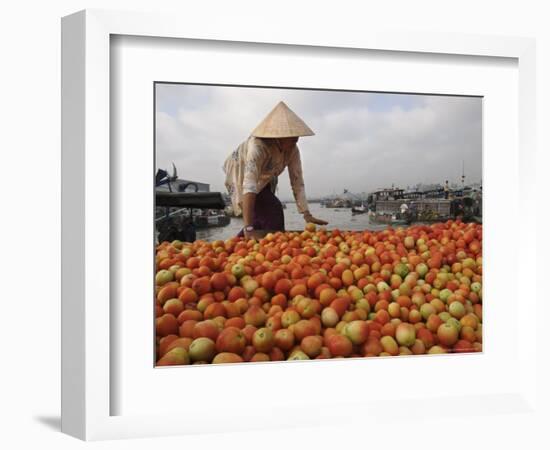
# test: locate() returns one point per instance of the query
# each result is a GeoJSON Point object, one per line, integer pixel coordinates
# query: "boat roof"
{"type": "Point", "coordinates": [380, 191]}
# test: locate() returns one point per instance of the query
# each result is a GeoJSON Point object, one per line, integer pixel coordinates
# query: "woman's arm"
{"type": "Point", "coordinates": [249, 200]}
{"type": "Point", "coordinates": [297, 181]}
{"type": "Point", "coordinates": [298, 188]}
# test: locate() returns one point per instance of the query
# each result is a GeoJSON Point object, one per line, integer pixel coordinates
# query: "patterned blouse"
{"type": "Point", "coordinates": [258, 162]}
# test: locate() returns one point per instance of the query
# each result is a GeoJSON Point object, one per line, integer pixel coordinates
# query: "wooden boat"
{"type": "Point", "coordinates": [179, 213]}
{"type": "Point", "coordinates": [394, 206]}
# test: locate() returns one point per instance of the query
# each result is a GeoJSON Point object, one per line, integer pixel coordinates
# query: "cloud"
{"type": "Point", "coordinates": [363, 141]}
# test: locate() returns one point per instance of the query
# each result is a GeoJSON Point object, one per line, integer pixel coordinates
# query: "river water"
{"type": "Point", "coordinates": [340, 218]}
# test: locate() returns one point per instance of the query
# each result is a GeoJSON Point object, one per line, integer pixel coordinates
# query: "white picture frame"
{"type": "Point", "coordinates": [87, 386]}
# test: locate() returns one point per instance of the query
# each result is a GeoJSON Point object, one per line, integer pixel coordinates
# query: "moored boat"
{"type": "Point", "coordinates": [396, 206]}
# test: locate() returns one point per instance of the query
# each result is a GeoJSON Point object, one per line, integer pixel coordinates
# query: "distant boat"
{"type": "Point", "coordinates": [359, 209]}
{"type": "Point", "coordinates": [338, 203]}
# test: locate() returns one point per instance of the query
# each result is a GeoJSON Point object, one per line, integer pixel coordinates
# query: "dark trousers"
{"type": "Point", "coordinates": [268, 212]}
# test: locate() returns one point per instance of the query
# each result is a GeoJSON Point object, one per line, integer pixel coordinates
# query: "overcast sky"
{"type": "Point", "coordinates": [363, 141]}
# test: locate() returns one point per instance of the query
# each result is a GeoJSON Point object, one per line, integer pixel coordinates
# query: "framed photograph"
{"type": "Point", "coordinates": [202, 281]}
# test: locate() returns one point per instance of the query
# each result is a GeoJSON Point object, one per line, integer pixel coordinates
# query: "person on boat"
{"type": "Point", "coordinates": [480, 201]}
{"type": "Point", "coordinates": [252, 172]}
{"type": "Point", "coordinates": [476, 196]}
{"type": "Point", "coordinates": [413, 211]}
{"type": "Point", "coordinates": [446, 189]}
{"type": "Point", "coordinates": [404, 211]}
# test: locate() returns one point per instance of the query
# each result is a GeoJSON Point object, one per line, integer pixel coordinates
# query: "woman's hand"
{"type": "Point", "coordinates": [309, 218]}
{"type": "Point", "coordinates": [254, 234]}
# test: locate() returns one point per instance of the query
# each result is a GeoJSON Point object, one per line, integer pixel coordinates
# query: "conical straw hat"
{"type": "Point", "coordinates": [282, 122]}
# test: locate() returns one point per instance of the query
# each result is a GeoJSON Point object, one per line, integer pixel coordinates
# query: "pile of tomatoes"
{"type": "Point", "coordinates": [319, 294]}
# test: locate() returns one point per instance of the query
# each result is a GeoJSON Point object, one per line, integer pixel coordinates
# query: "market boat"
{"type": "Point", "coordinates": [435, 205]}
{"type": "Point", "coordinates": [179, 213]}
